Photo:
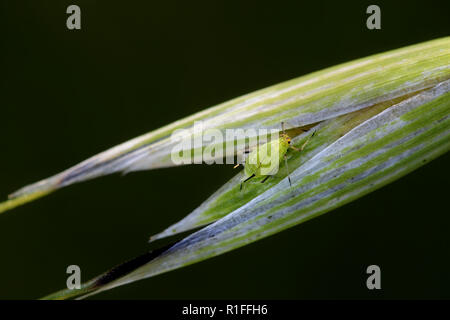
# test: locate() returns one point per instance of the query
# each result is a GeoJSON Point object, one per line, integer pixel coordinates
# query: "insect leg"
{"type": "Point", "coordinates": [242, 182]}
{"type": "Point", "coordinates": [264, 180]}
{"type": "Point", "coordinates": [249, 178]}
{"type": "Point", "coordinates": [307, 140]}
{"type": "Point", "coordinates": [304, 144]}
{"type": "Point", "coordinates": [287, 169]}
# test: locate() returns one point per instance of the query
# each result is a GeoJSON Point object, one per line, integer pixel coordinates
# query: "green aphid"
{"type": "Point", "coordinates": [264, 160]}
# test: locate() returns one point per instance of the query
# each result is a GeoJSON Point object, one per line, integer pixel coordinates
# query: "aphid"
{"type": "Point", "coordinates": [258, 159]}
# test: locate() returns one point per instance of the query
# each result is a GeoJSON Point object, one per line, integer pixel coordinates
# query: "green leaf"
{"type": "Point", "coordinates": [377, 147]}
{"type": "Point", "coordinates": [302, 101]}
{"type": "Point", "coordinates": [376, 119]}
{"type": "Point", "coordinates": [229, 197]}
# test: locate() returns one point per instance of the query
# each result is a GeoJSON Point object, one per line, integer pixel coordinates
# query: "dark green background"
{"type": "Point", "coordinates": [137, 65]}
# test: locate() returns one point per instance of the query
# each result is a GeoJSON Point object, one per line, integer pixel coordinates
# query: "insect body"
{"type": "Point", "coordinates": [265, 159]}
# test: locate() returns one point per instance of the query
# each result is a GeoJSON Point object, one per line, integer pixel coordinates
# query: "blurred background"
{"type": "Point", "coordinates": [138, 65]}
